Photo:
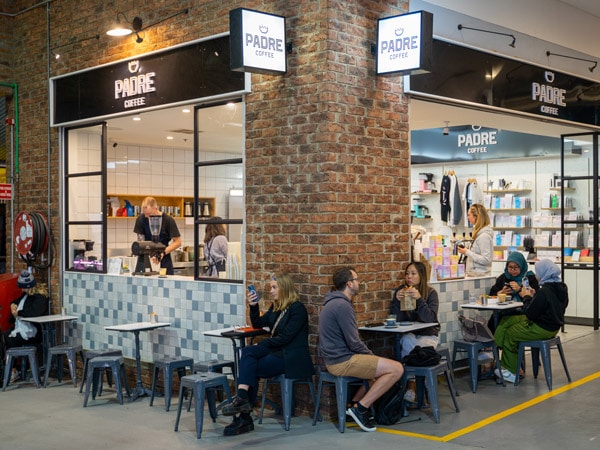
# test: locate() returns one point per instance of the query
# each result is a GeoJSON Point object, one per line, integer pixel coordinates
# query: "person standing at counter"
{"type": "Point", "coordinates": [215, 247]}
{"type": "Point", "coordinates": [543, 315]}
{"type": "Point", "coordinates": [169, 234]}
{"type": "Point", "coordinates": [479, 255]}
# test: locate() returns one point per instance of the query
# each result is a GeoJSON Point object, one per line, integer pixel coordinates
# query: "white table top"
{"type": "Point", "coordinates": [50, 318]}
{"type": "Point", "coordinates": [138, 326]}
{"type": "Point", "coordinates": [401, 328]}
{"type": "Point", "coordinates": [493, 306]}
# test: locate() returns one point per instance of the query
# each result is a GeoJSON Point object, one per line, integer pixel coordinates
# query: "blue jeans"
{"type": "Point", "coordinates": [257, 362]}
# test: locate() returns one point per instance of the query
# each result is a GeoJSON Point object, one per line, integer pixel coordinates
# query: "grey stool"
{"type": "Point", "coordinates": [215, 365]}
{"type": "Point", "coordinates": [542, 348]}
{"type": "Point", "coordinates": [341, 395]}
{"type": "Point", "coordinates": [96, 366]}
{"type": "Point", "coordinates": [429, 376]}
{"type": "Point", "coordinates": [472, 349]}
{"type": "Point", "coordinates": [71, 352]}
{"type": "Point", "coordinates": [202, 385]}
{"type": "Point", "coordinates": [31, 354]}
{"type": "Point", "coordinates": [90, 354]}
{"type": "Point", "coordinates": [287, 395]}
{"type": "Point", "coordinates": [168, 366]}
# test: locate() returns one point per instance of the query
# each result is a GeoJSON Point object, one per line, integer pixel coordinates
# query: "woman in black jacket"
{"type": "Point", "coordinates": [285, 352]}
{"type": "Point", "coordinates": [543, 315]}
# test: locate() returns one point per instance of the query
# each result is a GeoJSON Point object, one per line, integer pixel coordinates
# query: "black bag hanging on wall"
{"type": "Point", "coordinates": [389, 407]}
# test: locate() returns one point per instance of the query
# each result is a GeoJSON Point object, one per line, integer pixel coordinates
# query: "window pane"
{"type": "Point", "coordinates": [85, 248]}
{"type": "Point", "coordinates": [85, 201]}
{"type": "Point", "coordinates": [85, 150]}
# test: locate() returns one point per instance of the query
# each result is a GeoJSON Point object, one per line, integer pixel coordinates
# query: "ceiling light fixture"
{"type": "Point", "coordinates": [446, 130]}
{"type": "Point", "coordinates": [56, 54]}
{"type": "Point", "coordinates": [591, 69]}
{"type": "Point", "coordinates": [124, 28]}
{"type": "Point", "coordinates": [512, 44]}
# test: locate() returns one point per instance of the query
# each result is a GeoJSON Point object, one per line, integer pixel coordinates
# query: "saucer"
{"type": "Point", "coordinates": [405, 324]}
{"type": "Point", "coordinates": [390, 326]}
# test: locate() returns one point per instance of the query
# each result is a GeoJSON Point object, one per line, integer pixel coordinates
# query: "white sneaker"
{"type": "Point", "coordinates": [506, 374]}
{"type": "Point", "coordinates": [410, 396]}
{"type": "Point", "coordinates": [14, 376]}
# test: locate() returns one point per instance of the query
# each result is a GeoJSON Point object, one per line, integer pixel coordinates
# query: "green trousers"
{"type": "Point", "coordinates": [512, 330]}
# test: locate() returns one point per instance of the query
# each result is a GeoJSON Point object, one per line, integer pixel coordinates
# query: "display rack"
{"type": "Point", "coordinates": [593, 219]}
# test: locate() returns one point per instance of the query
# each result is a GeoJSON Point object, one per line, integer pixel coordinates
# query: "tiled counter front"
{"type": "Point", "coordinates": [452, 294]}
{"type": "Point", "coordinates": [191, 307]}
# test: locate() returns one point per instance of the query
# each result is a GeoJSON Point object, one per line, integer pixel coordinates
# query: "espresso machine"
{"type": "Point", "coordinates": [82, 259]}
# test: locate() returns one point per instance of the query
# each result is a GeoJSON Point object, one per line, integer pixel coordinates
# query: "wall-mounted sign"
{"type": "Point", "coordinates": [404, 43]}
{"type": "Point", "coordinates": [491, 80]}
{"type": "Point", "coordinates": [257, 42]}
{"type": "Point", "coordinates": [179, 74]}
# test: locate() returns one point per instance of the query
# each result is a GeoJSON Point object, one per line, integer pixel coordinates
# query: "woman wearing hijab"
{"type": "Point", "coordinates": [543, 315]}
{"type": "Point", "coordinates": [509, 283]}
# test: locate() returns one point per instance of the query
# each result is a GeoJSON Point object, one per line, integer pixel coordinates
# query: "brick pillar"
{"type": "Point", "coordinates": [327, 172]}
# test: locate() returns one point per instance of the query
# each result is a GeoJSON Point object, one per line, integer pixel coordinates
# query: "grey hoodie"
{"type": "Point", "coordinates": [338, 331]}
{"type": "Point", "coordinates": [479, 256]}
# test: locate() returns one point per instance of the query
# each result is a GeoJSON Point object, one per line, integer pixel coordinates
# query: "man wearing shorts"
{"type": "Point", "coordinates": [346, 355]}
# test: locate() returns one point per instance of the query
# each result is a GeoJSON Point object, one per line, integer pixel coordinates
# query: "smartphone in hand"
{"type": "Point", "coordinates": [252, 290]}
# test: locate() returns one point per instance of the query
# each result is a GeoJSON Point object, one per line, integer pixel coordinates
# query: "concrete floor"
{"type": "Point", "coordinates": [527, 416]}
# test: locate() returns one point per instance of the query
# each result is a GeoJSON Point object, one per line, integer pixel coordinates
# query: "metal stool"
{"type": "Point", "coordinates": [287, 395]}
{"type": "Point", "coordinates": [429, 376]}
{"type": "Point", "coordinates": [96, 366]}
{"type": "Point", "coordinates": [89, 354]}
{"type": "Point", "coordinates": [215, 365]}
{"type": "Point", "coordinates": [542, 347]}
{"type": "Point", "coordinates": [71, 352]}
{"type": "Point", "coordinates": [168, 366]}
{"type": "Point", "coordinates": [472, 349]}
{"type": "Point", "coordinates": [201, 384]}
{"type": "Point", "coordinates": [341, 395]}
{"type": "Point", "coordinates": [31, 354]}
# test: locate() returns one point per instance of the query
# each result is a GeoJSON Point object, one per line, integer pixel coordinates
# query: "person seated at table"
{"type": "Point", "coordinates": [284, 352]}
{"type": "Point", "coordinates": [509, 282]}
{"type": "Point", "coordinates": [32, 302]}
{"type": "Point", "coordinates": [543, 315]}
{"type": "Point", "coordinates": [425, 303]}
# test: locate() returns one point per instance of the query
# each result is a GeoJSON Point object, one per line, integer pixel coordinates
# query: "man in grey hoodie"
{"type": "Point", "coordinates": [344, 352]}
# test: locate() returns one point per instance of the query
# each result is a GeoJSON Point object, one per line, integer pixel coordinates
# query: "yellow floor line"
{"type": "Point", "coordinates": [498, 416]}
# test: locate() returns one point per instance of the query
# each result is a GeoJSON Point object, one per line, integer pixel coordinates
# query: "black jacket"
{"type": "Point", "coordinates": [548, 305]}
{"type": "Point", "coordinates": [290, 338]}
{"type": "Point", "coordinates": [497, 287]}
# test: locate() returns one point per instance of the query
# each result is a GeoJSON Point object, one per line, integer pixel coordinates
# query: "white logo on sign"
{"type": "Point", "coordinates": [133, 66]}
{"type": "Point", "coordinates": [549, 76]}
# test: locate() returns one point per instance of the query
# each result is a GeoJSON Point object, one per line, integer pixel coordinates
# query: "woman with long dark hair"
{"type": "Point", "coordinates": [215, 247]}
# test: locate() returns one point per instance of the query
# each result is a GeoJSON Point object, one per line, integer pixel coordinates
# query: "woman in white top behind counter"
{"type": "Point", "coordinates": [479, 255]}
{"type": "Point", "coordinates": [215, 247]}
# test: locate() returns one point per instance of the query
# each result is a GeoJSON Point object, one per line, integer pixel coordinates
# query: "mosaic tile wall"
{"type": "Point", "coordinates": [452, 294]}
{"type": "Point", "coordinates": [191, 307]}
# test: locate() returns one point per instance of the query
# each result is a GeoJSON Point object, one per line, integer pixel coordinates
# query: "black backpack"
{"type": "Point", "coordinates": [389, 407]}
{"type": "Point", "coordinates": [422, 357]}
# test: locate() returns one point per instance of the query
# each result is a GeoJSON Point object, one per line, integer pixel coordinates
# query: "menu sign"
{"type": "Point", "coordinates": [404, 43]}
{"type": "Point", "coordinates": [257, 42]}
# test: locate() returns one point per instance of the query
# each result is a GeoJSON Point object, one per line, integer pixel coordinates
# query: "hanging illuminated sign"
{"type": "Point", "coordinates": [257, 42]}
{"type": "Point", "coordinates": [404, 43]}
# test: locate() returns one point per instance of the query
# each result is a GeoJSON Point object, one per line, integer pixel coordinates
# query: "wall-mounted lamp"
{"type": "Point", "coordinates": [124, 28]}
{"type": "Point", "coordinates": [446, 130]}
{"type": "Point", "coordinates": [512, 44]}
{"type": "Point", "coordinates": [54, 51]}
{"type": "Point", "coordinates": [591, 69]}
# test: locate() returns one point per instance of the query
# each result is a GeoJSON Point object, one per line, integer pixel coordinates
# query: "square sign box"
{"type": "Point", "coordinates": [404, 43]}
{"type": "Point", "coordinates": [257, 42]}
